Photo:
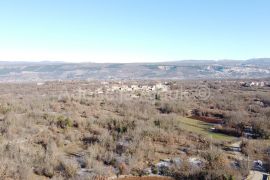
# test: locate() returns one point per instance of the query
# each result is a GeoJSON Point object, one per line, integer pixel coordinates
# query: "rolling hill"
{"type": "Point", "coordinates": [187, 69]}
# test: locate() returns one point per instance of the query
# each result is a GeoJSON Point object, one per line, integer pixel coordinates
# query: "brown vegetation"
{"type": "Point", "coordinates": [53, 131]}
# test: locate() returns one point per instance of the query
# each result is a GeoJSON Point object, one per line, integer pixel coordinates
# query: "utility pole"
{"type": "Point", "coordinates": [211, 142]}
{"type": "Point", "coordinates": [248, 162]}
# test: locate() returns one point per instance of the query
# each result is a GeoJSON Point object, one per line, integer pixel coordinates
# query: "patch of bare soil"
{"type": "Point", "coordinates": [146, 178]}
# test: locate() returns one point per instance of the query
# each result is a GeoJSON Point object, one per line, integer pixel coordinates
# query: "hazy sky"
{"type": "Point", "coordinates": [133, 30]}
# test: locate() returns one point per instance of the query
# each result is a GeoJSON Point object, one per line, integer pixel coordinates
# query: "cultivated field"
{"type": "Point", "coordinates": [203, 128]}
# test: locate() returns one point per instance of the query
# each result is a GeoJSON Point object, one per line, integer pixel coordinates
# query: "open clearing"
{"type": "Point", "coordinates": [203, 128]}
{"type": "Point", "coordinates": [146, 178]}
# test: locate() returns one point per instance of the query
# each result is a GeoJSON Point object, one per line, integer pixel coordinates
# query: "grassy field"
{"type": "Point", "coordinates": [203, 128]}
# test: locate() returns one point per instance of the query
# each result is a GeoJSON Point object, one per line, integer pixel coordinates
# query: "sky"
{"type": "Point", "coordinates": [133, 30]}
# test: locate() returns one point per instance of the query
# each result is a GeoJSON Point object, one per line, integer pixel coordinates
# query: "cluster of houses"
{"type": "Point", "coordinates": [146, 88]}
{"type": "Point", "coordinates": [254, 84]}
{"type": "Point", "coordinates": [131, 88]}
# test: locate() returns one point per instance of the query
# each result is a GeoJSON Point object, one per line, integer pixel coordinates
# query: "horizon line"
{"type": "Point", "coordinates": [134, 62]}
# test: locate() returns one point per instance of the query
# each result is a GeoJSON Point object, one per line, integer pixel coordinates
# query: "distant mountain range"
{"type": "Point", "coordinates": [186, 69]}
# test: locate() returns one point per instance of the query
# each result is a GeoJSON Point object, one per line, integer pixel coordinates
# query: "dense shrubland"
{"type": "Point", "coordinates": [50, 131]}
